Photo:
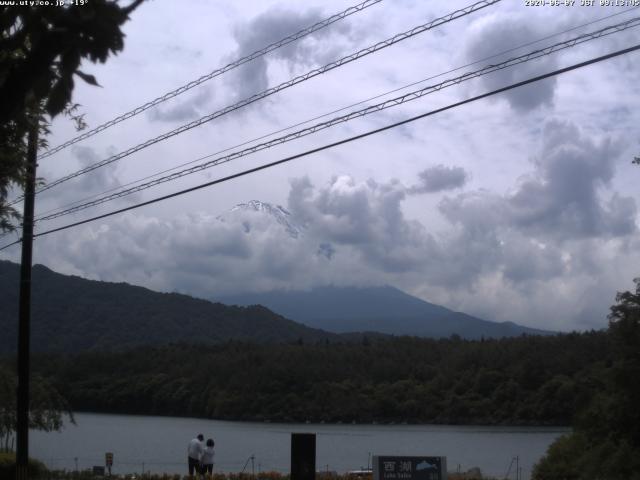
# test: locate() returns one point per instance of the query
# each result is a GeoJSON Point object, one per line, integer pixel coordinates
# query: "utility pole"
{"type": "Point", "coordinates": [24, 312]}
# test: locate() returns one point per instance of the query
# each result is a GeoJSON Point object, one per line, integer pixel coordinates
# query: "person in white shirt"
{"type": "Point", "coordinates": [194, 453]}
{"type": "Point", "coordinates": [207, 458]}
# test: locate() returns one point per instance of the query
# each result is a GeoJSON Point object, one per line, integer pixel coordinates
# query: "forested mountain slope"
{"type": "Point", "coordinates": [71, 314]}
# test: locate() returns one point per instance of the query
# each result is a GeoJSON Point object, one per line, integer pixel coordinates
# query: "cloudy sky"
{"type": "Point", "coordinates": [520, 207]}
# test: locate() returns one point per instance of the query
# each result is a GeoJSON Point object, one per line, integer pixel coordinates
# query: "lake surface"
{"type": "Point", "coordinates": [158, 444]}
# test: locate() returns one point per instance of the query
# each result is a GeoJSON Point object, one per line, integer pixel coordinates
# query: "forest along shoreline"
{"type": "Point", "coordinates": [523, 381]}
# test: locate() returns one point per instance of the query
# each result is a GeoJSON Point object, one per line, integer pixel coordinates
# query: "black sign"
{"type": "Point", "coordinates": [303, 456]}
{"type": "Point", "coordinates": [409, 468]}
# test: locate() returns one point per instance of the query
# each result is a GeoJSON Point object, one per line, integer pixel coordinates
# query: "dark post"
{"type": "Point", "coordinates": [303, 456]}
{"type": "Point", "coordinates": [24, 313]}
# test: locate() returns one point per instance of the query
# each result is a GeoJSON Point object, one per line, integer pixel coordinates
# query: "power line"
{"type": "Point", "coordinates": [313, 73]}
{"type": "Point", "coordinates": [347, 140]}
{"type": "Point", "coordinates": [375, 97]}
{"type": "Point", "coordinates": [194, 83]}
{"type": "Point", "coordinates": [357, 114]}
{"type": "Point", "coordinates": [344, 141]}
{"type": "Point", "coordinates": [11, 244]}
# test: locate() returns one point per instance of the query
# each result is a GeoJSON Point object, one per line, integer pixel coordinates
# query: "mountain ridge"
{"type": "Point", "coordinates": [70, 313]}
{"type": "Point", "coordinates": [382, 309]}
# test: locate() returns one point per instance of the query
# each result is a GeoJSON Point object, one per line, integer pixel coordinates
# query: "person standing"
{"type": "Point", "coordinates": [207, 458]}
{"type": "Point", "coordinates": [194, 453]}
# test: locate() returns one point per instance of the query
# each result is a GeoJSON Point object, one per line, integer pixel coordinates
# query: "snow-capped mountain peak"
{"type": "Point", "coordinates": [243, 212]}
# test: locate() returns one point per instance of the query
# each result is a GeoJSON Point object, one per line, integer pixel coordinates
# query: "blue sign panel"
{"type": "Point", "coordinates": [409, 468]}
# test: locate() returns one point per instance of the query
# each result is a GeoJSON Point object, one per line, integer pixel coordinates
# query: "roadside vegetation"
{"type": "Point", "coordinates": [605, 442]}
{"type": "Point", "coordinates": [88, 475]}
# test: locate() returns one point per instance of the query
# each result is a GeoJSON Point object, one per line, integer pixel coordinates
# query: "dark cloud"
{"type": "Point", "coordinates": [561, 198]}
{"type": "Point", "coordinates": [249, 79]}
{"type": "Point", "coordinates": [83, 187]}
{"type": "Point", "coordinates": [364, 216]}
{"type": "Point", "coordinates": [497, 33]}
{"type": "Point", "coordinates": [100, 179]}
{"type": "Point", "coordinates": [272, 26]}
{"type": "Point", "coordinates": [526, 260]}
{"type": "Point", "coordinates": [439, 178]}
{"type": "Point", "coordinates": [181, 111]}
{"type": "Point", "coordinates": [326, 250]}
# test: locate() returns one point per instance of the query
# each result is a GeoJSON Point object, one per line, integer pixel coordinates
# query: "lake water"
{"type": "Point", "coordinates": [158, 444]}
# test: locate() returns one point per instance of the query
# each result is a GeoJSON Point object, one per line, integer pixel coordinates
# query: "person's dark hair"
{"type": "Point", "coordinates": [210, 442]}
{"type": "Point", "coordinates": [200, 437]}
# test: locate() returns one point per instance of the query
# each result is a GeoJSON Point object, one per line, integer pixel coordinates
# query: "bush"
{"type": "Point", "coordinates": [8, 467]}
{"type": "Point", "coordinates": [562, 459]}
{"type": "Point", "coordinates": [572, 457]}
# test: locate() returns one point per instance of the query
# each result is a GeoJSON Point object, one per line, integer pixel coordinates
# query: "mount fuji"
{"type": "Point", "coordinates": [383, 309]}
{"type": "Point", "coordinates": [257, 214]}
{"type": "Point", "coordinates": [346, 309]}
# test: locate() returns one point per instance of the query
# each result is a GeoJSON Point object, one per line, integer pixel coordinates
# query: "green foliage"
{"type": "Point", "coordinates": [8, 467]}
{"type": "Point", "coordinates": [575, 457]}
{"type": "Point", "coordinates": [561, 460]}
{"type": "Point", "coordinates": [41, 48]}
{"type": "Point", "coordinates": [606, 438]}
{"type": "Point", "coordinates": [624, 386]}
{"type": "Point", "coordinates": [397, 380]}
{"type": "Point", "coordinates": [46, 411]}
{"type": "Point", "coordinates": [71, 314]}
{"type": "Point", "coordinates": [52, 42]}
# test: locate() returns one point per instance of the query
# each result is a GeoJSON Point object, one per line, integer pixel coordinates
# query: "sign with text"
{"type": "Point", "coordinates": [409, 468]}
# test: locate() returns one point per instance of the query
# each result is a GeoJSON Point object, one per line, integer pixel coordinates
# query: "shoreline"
{"type": "Point", "coordinates": [160, 443]}
{"type": "Point", "coordinates": [333, 424]}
